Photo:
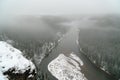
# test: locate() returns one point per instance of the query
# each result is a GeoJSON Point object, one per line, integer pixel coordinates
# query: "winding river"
{"type": "Point", "coordinates": [67, 45]}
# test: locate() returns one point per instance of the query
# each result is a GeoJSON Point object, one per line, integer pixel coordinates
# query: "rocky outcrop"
{"type": "Point", "coordinates": [13, 65]}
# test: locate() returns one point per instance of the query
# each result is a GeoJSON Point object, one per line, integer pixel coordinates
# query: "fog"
{"type": "Point", "coordinates": [43, 29]}
{"type": "Point", "coordinates": [55, 7]}
{"type": "Point", "coordinates": [21, 15]}
{"type": "Point", "coordinates": [11, 8]}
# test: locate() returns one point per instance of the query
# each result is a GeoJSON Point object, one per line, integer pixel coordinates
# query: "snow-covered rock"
{"type": "Point", "coordinates": [13, 62]}
{"type": "Point", "coordinates": [67, 68]}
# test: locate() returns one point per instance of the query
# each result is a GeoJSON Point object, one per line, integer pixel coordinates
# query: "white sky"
{"type": "Point", "coordinates": [59, 6]}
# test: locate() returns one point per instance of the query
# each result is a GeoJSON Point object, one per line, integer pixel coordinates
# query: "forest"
{"type": "Point", "coordinates": [100, 42]}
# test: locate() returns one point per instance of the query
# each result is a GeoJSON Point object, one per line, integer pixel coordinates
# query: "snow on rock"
{"type": "Point", "coordinates": [12, 60]}
{"type": "Point", "coordinates": [67, 68]}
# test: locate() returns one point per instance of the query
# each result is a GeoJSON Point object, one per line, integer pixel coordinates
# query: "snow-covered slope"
{"type": "Point", "coordinates": [12, 60]}
{"type": "Point", "coordinates": [67, 68]}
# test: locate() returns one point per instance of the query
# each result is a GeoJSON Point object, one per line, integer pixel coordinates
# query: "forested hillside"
{"type": "Point", "coordinates": [101, 43]}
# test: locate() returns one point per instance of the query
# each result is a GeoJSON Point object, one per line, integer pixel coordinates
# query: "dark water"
{"type": "Point", "coordinates": [66, 46]}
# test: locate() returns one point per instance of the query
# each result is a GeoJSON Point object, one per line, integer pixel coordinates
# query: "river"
{"type": "Point", "coordinates": [67, 45]}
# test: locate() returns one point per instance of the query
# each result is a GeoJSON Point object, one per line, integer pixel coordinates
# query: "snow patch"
{"type": "Point", "coordinates": [67, 68]}
{"type": "Point", "coordinates": [75, 57]}
{"type": "Point", "coordinates": [2, 77]}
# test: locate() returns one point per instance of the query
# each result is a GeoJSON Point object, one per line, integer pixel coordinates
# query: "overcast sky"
{"type": "Point", "coordinates": [59, 6]}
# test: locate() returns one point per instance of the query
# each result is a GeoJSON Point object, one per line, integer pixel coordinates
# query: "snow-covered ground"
{"type": "Point", "coordinates": [12, 58]}
{"type": "Point", "coordinates": [67, 67]}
